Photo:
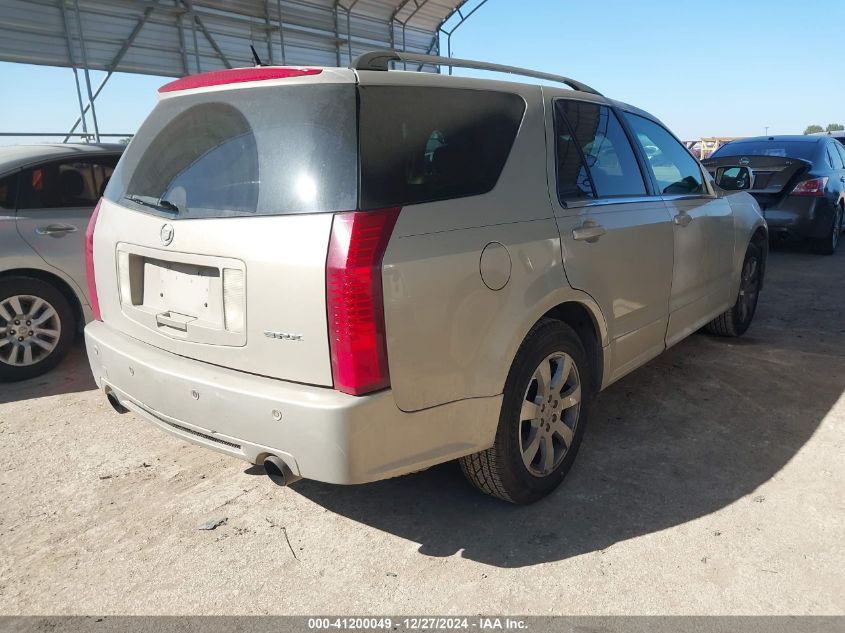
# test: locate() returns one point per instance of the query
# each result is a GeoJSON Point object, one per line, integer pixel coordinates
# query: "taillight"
{"type": "Point", "coordinates": [355, 301]}
{"type": "Point", "coordinates": [237, 75]}
{"type": "Point", "coordinates": [813, 187]}
{"type": "Point", "coordinates": [89, 262]}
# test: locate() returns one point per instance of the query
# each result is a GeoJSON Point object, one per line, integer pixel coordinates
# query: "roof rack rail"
{"type": "Point", "coordinates": [380, 60]}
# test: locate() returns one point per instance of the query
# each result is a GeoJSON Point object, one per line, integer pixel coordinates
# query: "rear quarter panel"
{"type": "Point", "coordinates": [449, 335]}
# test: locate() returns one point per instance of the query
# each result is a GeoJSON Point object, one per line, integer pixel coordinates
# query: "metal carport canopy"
{"type": "Point", "coordinates": [179, 37]}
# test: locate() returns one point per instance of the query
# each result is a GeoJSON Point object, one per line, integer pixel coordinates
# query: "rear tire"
{"type": "Point", "coordinates": [735, 320]}
{"type": "Point", "coordinates": [37, 327]}
{"type": "Point", "coordinates": [827, 245]}
{"type": "Point", "coordinates": [544, 413]}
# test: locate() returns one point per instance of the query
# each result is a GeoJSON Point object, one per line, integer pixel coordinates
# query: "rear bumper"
{"type": "Point", "coordinates": [320, 433]}
{"type": "Point", "coordinates": [800, 217]}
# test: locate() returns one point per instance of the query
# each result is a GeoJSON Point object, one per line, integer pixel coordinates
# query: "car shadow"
{"type": "Point", "coordinates": [71, 375]}
{"type": "Point", "coordinates": [699, 428]}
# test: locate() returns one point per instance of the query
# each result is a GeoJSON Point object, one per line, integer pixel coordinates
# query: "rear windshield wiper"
{"type": "Point", "coordinates": [148, 201]}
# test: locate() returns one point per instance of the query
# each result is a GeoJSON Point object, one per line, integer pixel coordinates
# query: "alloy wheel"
{"type": "Point", "coordinates": [549, 414]}
{"type": "Point", "coordinates": [29, 330]}
{"type": "Point", "coordinates": [749, 288]}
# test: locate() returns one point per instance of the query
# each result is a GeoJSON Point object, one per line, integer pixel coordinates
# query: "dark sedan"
{"type": "Point", "coordinates": [799, 182]}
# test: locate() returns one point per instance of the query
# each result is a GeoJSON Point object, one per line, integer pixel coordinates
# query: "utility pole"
{"type": "Point", "coordinates": [767, 130]}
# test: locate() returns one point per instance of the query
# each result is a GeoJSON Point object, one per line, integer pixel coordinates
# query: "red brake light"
{"type": "Point", "coordinates": [237, 75]}
{"type": "Point", "coordinates": [89, 262]}
{"type": "Point", "coordinates": [813, 187]}
{"type": "Point", "coordinates": [355, 300]}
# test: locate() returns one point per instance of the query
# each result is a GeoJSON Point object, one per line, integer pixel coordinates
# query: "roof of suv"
{"type": "Point", "coordinates": [16, 156]}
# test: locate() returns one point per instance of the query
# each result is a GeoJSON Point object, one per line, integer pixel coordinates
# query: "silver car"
{"type": "Point", "coordinates": [353, 274]}
{"type": "Point", "coordinates": [47, 194]}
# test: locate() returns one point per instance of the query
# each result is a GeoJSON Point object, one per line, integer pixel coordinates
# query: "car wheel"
{"type": "Point", "coordinates": [735, 320]}
{"type": "Point", "coordinates": [827, 245]}
{"type": "Point", "coordinates": [543, 417]}
{"type": "Point", "coordinates": [37, 327]}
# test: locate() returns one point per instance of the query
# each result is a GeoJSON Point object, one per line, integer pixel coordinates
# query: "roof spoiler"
{"type": "Point", "coordinates": [380, 61]}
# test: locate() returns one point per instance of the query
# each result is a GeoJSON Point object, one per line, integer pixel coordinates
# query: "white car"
{"type": "Point", "coordinates": [47, 195]}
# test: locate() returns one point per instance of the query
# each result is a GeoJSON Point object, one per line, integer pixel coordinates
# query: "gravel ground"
{"type": "Point", "coordinates": [711, 481]}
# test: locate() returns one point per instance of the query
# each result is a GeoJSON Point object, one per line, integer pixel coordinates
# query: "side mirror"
{"type": "Point", "coordinates": [734, 178]}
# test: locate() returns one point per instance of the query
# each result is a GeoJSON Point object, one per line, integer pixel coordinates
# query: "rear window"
{"type": "Point", "coordinates": [423, 144]}
{"type": "Point", "coordinates": [785, 149]}
{"type": "Point", "coordinates": [258, 151]}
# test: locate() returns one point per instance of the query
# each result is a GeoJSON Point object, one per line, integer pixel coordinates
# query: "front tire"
{"type": "Point", "coordinates": [735, 320]}
{"type": "Point", "coordinates": [37, 327]}
{"type": "Point", "coordinates": [544, 414]}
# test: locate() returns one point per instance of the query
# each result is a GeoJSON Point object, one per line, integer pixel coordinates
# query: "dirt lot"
{"type": "Point", "coordinates": [711, 481]}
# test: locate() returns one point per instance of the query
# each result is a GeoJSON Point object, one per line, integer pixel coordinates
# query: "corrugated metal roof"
{"type": "Point", "coordinates": [178, 37]}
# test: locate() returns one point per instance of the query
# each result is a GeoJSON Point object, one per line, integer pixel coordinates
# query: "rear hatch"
{"type": "Point", "coordinates": [212, 239]}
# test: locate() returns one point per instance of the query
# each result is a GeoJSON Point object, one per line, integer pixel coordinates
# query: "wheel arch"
{"type": "Point", "coordinates": [54, 280]}
{"type": "Point", "coordinates": [581, 319]}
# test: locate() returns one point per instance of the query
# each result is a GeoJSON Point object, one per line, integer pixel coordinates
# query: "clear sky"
{"type": "Point", "coordinates": [717, 68]}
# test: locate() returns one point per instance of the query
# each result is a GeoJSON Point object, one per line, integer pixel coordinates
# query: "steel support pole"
{"type": "Point", "coordinates": [84, 50]}
{"type": "Point", "coordinates": [190, 6]}
{"type": "Point", "coordinates": [116, 60]}
{"type": "Point", "coordinates": [267, 31]}
{"type": "Point", "coordinates": [281, 32]}
{"type": "Point", "coordinates": [182, 46]}
{"type": "Point", "coordinates": [72, 59]}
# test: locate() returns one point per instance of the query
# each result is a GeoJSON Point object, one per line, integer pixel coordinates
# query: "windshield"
{"type": "Point", "coordinates": [790, 149]}
{"type": "Point", "coordinates": [257, 151]}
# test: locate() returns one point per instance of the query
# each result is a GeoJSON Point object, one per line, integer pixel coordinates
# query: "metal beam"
{"type": "Point", "coordinates": [72, 59]}
{"type": "Point", "coordinates": [267, 31]}
{"type": "Point", "coordinates": [116, 60]}
{"type": "Point", "coordinates": [281, 32]}
{"type": "Point", "coordinates": [198, 21]}
{"type": "Point", "coordinates": [84, 50]}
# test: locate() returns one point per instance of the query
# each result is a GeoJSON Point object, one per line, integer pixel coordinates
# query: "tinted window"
{"type": "Point", "coordinates": [611, 163]}
{"type": "Point", "coordinates": [672, 166]}
{"type": "Point", "coordinates": [834, 158]}
{"type": "Point", "coordinates": [793, 149]}
{"type": "Point", "coordinates": [573, 180]}
{"type": "Point", "coordinates": [256, 151]}
{"type": "Point", "coordinates": [65, 184]}
{"type": "Point", "coordinates": [841, 150]}
{"type": "Point", "coordinates": [423, 144]}
{"type": "Point", "coordinates": [8, 191]}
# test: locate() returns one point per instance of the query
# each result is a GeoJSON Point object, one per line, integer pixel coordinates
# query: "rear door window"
{"type": "Point", "coordinates": [256, 151]}
{"type": "Point", "coordinates": [834, 158]}
{"type": "Point", "coordinates": [422, 144]}
{"type": "Point", "coordinates": [672, 166]}
{"type": "Point", "coordinates": [840, 150]}
{"type": "Point", "coordinates": [65, 184]}
{"type": "Point", "coordinates": [593, 133]}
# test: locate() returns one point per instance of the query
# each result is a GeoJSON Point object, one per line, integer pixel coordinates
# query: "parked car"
{"type": "Point", "coordinates": [47, 194]}
{"type": "Point", "coordinates": [799, 182]}
{"type": "Point", "coordinates": [353, 274]}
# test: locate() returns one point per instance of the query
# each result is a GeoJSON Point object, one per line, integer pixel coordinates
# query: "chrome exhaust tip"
{"type": "Point", "coordinates": [115, 403]}
{"type": "Point", "coordinates": [279, 472]}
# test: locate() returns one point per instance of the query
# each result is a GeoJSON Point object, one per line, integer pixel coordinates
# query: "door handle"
{"type": "Point", "coordinates": [55, 229]}
{"type": "Point", "coordinates": [588, 232]}
{"type": "Point", "coordinates": [682, 219]}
